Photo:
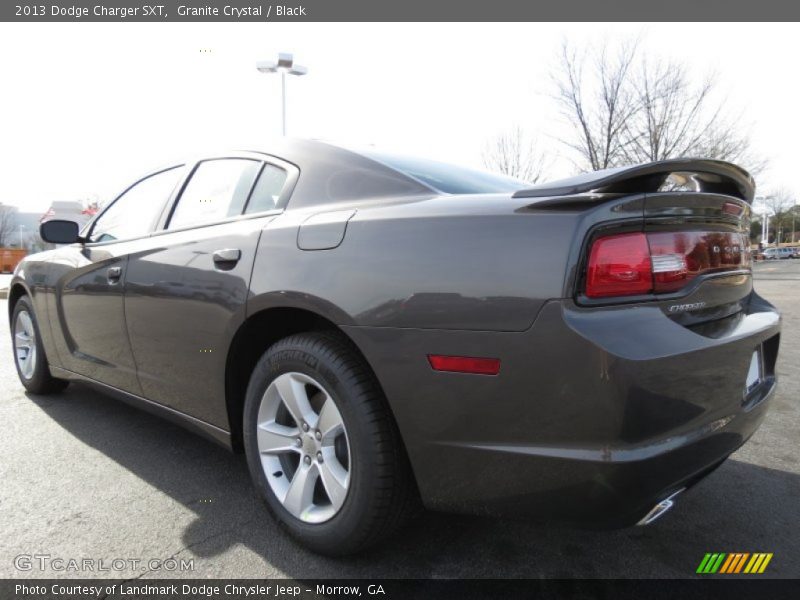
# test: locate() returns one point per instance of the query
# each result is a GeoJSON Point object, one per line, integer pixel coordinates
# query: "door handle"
{"type": "Point", "coordinates": [113, 274]}
{"type": "Point", "coordinates": [227, 256]}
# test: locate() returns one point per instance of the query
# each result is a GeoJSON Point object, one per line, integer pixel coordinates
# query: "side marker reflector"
{"type": "Point", "coordinates": [464, 364]}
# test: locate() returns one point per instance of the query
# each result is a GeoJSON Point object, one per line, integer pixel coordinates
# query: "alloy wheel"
{"type": "Point", "coordinates": [25, 344]}
{"type": "Point", "coordinates": [304, 449]}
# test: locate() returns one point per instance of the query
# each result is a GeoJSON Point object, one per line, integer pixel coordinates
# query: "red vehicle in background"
{"type": "Point", "coordinates": [9, 257]}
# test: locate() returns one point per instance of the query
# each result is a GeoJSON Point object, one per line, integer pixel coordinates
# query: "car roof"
{"type": "Point", "coordinates": [330, 174]}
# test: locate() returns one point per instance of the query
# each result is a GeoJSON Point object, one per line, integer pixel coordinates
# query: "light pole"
{"type": "Point", "coordinates": [285, 65]}
{"type": "Point", "coordinates": [762, 201]}
{"type": "Point", "coordinates": [21, 227]}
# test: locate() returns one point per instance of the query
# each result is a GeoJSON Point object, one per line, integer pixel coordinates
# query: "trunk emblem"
{"type": "Point", "coordinates": [684, 307]}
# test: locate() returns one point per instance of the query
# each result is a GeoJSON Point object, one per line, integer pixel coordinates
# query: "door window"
{"type": "Point", "coordinates": [136, 211]}
{"type": "Point", "coordinates": [267, 190]}
{"type": "Point", "coordinates": [218, 189]}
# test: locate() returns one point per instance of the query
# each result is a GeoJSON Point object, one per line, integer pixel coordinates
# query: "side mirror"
{"type": "Point", "coordinates": [58, 231]}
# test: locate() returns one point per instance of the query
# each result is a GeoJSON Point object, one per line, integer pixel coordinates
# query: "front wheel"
{"type": "Point", "coordinates": [322, 446]}
{"type": "Point", "coordinates": [29, 356]}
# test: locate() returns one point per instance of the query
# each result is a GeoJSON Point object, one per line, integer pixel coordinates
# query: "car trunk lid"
{"type": "Point", "coordinates": [674, 232]}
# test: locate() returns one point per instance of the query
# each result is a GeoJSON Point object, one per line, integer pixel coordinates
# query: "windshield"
{"type": "Point", "coordinates": [450, 179]}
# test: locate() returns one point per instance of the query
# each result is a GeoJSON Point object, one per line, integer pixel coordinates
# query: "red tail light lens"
{"type": "Point", "coordinates": [619, 265]}
{"type": "Point", "coordinates": [637, 263]}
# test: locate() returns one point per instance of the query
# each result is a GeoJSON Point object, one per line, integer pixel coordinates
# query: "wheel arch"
{"type": "Point", "coordinates": [253, 337]}
{"type": "Point", "coordinates": [17, 291]}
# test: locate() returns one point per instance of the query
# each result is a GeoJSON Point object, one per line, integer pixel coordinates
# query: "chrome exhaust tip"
{"type": "Point", "coordinates": [660, 509]}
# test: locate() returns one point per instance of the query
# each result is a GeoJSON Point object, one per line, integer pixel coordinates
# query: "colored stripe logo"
{"type": "Point", "coordinates": [734, 562]}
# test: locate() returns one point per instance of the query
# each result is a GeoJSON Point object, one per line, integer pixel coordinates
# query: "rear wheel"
{"type": "Point", "coordinates": [29, 356]}
{"type": "Point", "coordinates": [322, 447]}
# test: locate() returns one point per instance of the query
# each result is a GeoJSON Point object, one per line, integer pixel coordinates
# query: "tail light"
{"type": "Point", "coordinates": [631, 264]}
{"type": "Point", "coordinates": [619, 265]}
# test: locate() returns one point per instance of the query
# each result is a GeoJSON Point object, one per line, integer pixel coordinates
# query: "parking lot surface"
{"type": "Point", "coordinates": [85, 476]}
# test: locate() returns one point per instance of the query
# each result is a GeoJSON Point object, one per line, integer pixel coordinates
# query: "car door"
{"type": "Point", "coordinates": [87, 311]}
{"type": "Point", "coordinates": [186, 296]}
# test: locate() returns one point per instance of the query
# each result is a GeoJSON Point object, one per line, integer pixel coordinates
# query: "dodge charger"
{"type": "Point", "coordinates": [379, 333]}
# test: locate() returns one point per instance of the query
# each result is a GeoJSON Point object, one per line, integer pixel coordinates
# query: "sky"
{"type": "Point", "coordinates": [89, 107]}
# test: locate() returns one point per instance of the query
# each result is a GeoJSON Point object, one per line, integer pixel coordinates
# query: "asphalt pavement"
{"type": "Point", "coordinates": [84, 476]}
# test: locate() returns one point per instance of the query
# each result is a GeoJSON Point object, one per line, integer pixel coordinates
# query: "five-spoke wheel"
{"type": "Point", "coordinates": [322, 446]}
{"type": "Point", "coordinates": [29, 354]}
{"type": "Point", "coordinates": [304, 449]}
{"type": "Point", "coordinates": [25, 344]}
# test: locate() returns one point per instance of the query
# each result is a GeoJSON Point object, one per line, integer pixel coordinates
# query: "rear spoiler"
{"type": "Point", "coordinates": [701, 175]}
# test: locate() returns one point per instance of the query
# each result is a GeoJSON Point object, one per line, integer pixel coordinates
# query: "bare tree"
{"type": "Point", "coordinates": [669, 119]}
{"type": "Point", "coordinates": [794, 219]}
{"type": "Point", "coordinates": [677, 116]}
{"type": "Point", "coordinates": [515, 154]}
{"type": "Point", "coordinates": [780, 205]}
{"type": "Point", "coordinates": [595, 98]}
{"type": "Point", "coordinates": [7, 220]}
{"type": "Point", "coordinates": [731, 142]}
{"type": "Point", "coordinates": [644, 109]}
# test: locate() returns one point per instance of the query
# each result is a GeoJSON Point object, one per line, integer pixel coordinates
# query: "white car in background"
{"type": "Point", "coordinates": [780, 253]}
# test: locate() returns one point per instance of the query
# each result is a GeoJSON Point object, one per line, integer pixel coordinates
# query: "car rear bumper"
{"type": "Point", "coordinates": [594, 417]}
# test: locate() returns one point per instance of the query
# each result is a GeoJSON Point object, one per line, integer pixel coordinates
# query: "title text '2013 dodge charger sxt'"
{"type": "Point", "coordinates": [379, 333]}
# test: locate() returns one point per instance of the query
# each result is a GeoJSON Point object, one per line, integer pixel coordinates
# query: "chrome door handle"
{"type": "Point", "coordinates": [227, 255]}
{"type": "Point", "coordinates": [113, 274]}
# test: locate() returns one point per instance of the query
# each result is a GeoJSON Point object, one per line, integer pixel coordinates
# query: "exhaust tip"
{"type": "Point", "coordinates": [660, 509]}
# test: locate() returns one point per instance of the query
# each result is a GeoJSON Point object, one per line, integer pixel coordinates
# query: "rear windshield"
{"type": "Point", "coordinates": [449, 179]}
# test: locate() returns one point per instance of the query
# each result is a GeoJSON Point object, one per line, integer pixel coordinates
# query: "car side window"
{"type": "Point", "coordinates": [136, 211]}
{"type": "Point", "coordinates": [268, 189]}
{"type": "Point", "coordinates": [217, 189]}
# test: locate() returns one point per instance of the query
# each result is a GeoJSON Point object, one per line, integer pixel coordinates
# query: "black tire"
{"type": "Point", "coordinates": [382, 494]}
{"type": "Point", "coordinates": [40, 381]}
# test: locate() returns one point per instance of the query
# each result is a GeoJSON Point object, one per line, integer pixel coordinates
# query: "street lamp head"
{"type": "Point", "coordinates": [285, 64]}
{"type": "Point", "coordinates": [285, 60]}
{"type": "Point", "coordinates": [266, 66]}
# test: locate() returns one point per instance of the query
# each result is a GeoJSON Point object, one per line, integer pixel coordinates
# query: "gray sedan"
{"type": "Point", "coordinates": [379, 333]}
